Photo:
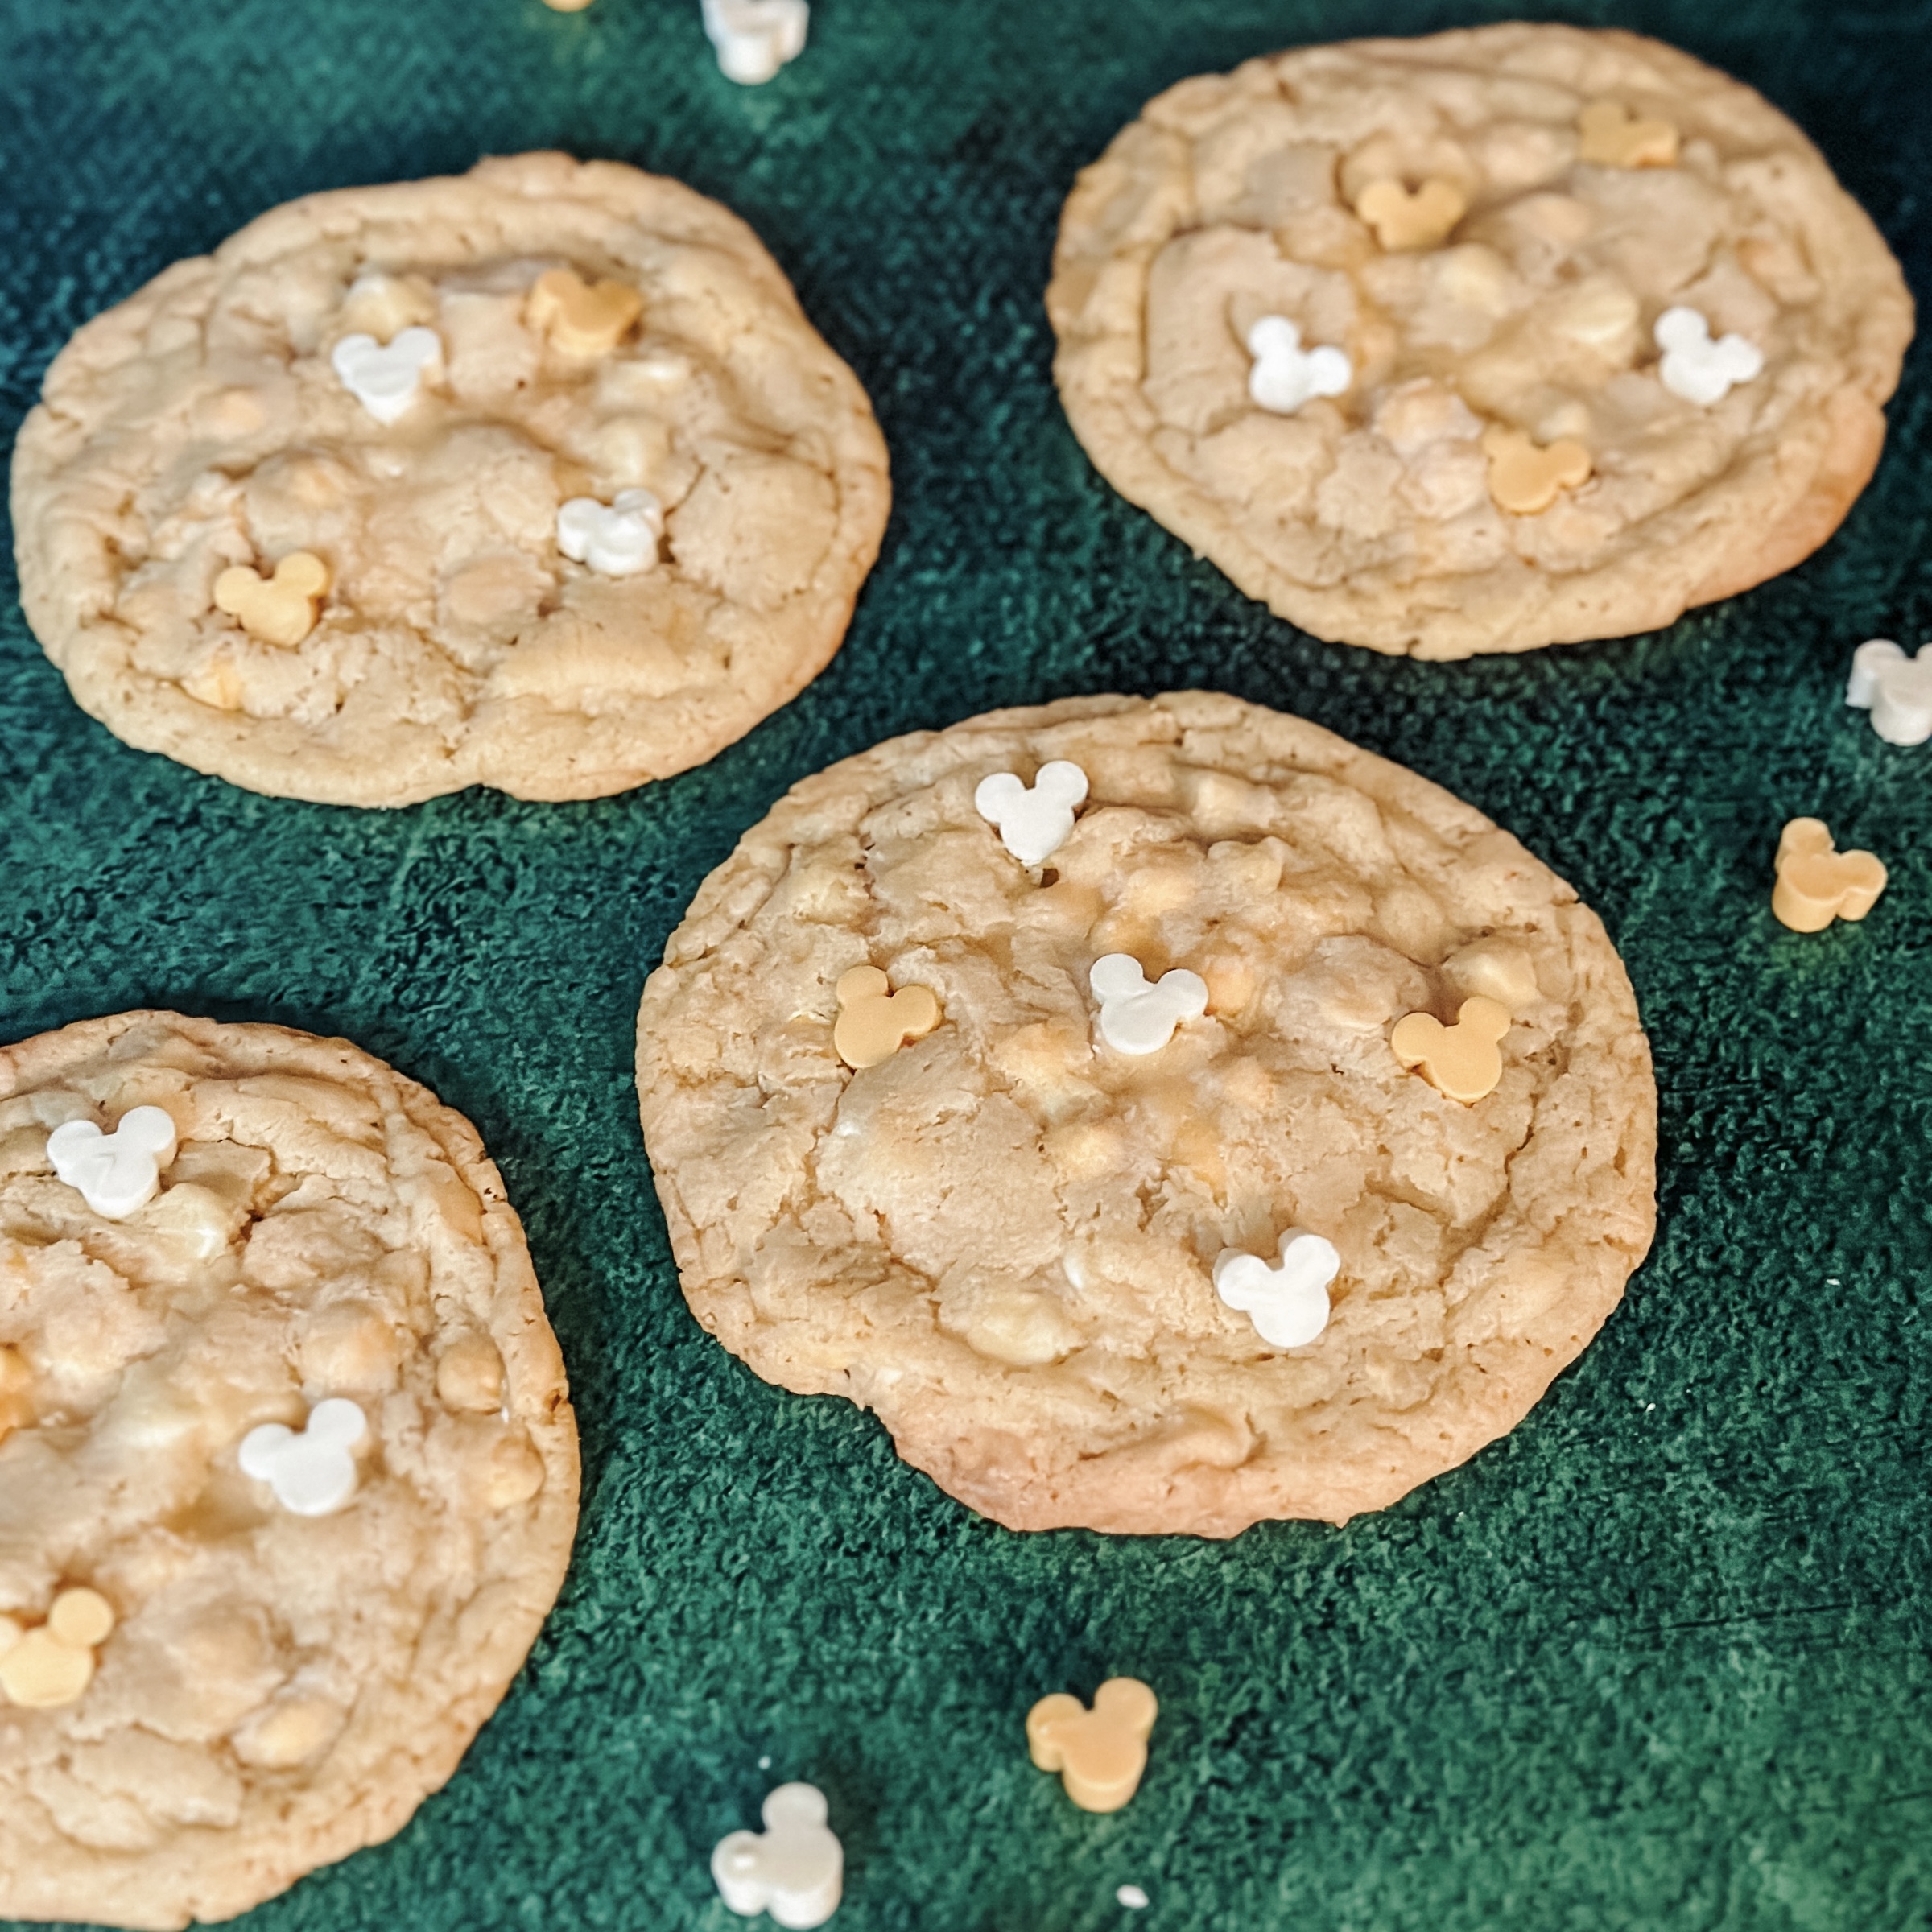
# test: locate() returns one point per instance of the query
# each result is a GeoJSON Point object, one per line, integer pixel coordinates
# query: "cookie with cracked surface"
{"type": "Point", "coordinates": [1367, 517]}
{"type": "Point", "coordinates": [286, 1676]}
{"type": "Point", "coordinates": [1002, 1237]}
{"type": "Point", "coordinates": [408, 384]}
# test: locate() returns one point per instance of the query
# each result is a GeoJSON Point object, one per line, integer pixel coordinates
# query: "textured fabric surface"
{"type": "Point", "coordinates": [1661, 1658]}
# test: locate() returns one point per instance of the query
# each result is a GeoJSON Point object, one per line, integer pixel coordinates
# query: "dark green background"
{"type": "Point", "coordinates": [1658, 1660]}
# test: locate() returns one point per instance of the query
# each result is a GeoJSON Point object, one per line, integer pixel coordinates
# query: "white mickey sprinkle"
{"type": "Point", "coordinates": [384, 378]}
{"type": "Point", "coordinates": [1136, 1018]}
{"type": "Point", "coordinates": [1285, 375]}
{"type": "Point", "coordinates": [616, 539]}
{"type": "Point", "coordinates": [1287, 1302]}
{"type": "Point", "coordinates": [1033, 822]}
{"type": "Point", "coordinates": [794, 1869]}
{"type": "Point", "coordinates": [755, 38]}
{"type": "Point", "coordinates": [314, 1473]}
{"type": "Point", "coordinates": [118, 1173]}
{"type": "Point", "coordinates": [1695, 367]}
{"type": "Point", "coordinates": [1896, 689]}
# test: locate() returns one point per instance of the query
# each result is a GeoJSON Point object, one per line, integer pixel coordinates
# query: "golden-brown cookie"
{"type": "Point", "coordinates": [1489, 224]}
{"type": "Point", "coordinates": [1041, 1240]}
{"type": "Point", "coordinates": [279, 1393]}
{"type": "Point", "coordinates": [582, 495]}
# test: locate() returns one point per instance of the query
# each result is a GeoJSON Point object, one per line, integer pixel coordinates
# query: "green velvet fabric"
{"type": "Point", "coordinates": [1658, 1660]}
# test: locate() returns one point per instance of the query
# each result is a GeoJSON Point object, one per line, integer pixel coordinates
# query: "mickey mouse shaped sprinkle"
{"type": "Point", "coordinates": [1609, 135]}
{"type": "Point", "coordinates": [755, 38]}
{"type": "Point", "coordinates": [1136, 1018]}
{"type": "Point", "coordinates": [42, 1668]}
{"type": "Point", "coordinates": [1101, 1753]}
{"type": "Point", "coordinates": [1402, 220]}
{"type": "Point", "coordinates": [617, 540]}
{"type": "Point", "coordinates": [1817, 884]}
{"type": "Point", "coordinates": [119, 1173]}
{"type": "Point", "coordinates": [1285, 375]}
{"type": "Point", "coordinates": [1526, 477]}
{"type": "Point", "coordinates": [1288, 1302]}
{"type": "Point", "coordinates": [581, 318]}
{"type": "Point", "coordinates": [873, 1023]}
{"type": "Point", "coordinates": [794, 1869]}
{"type": "Point", "coordinates": [314, 1473]}
{"type": "Point", "coordinates": [1695, 368]}
{"type": "Point", "coordinates": [280, 609]}
{"type": "Point", "coordinates": [1896, 689]}
{"type": "Point", "coordinates": [1462, 1061]}
{"type": "Point", "coordinates": [1035, 821]}
{"type": "Point", "coordinates": [384, 378]}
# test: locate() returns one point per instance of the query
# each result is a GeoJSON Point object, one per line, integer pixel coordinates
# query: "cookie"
{"type": "Point", "coordinates": [1040, 1238]}
{"type": "Point", "coordinates": [535, 477]}
{"type": "Point", "coordinates": [1395, 332]}
{"type": "Point", "coordinates": [280, 1412]}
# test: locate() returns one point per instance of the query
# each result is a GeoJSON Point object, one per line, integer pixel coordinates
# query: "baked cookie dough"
{"type": "Point", "coordinates": [1489, 223]}
{"type": "Point", "coordinates": [408, 386]}
{"type": "Point", "coordinates": [1003, 1235]}
{"type": "Point", "coordinates": [329, 1250]}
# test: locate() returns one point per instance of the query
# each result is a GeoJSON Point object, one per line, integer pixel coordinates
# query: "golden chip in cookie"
{"type": "Point", "coordinates": [290, 1474]}
{"type": "Point", "coordinates": [1295, 304]}
{"type": "Point", "coordinates": [578, 493]}
{"type": "Point", "coordinates": [1156, 1229]}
